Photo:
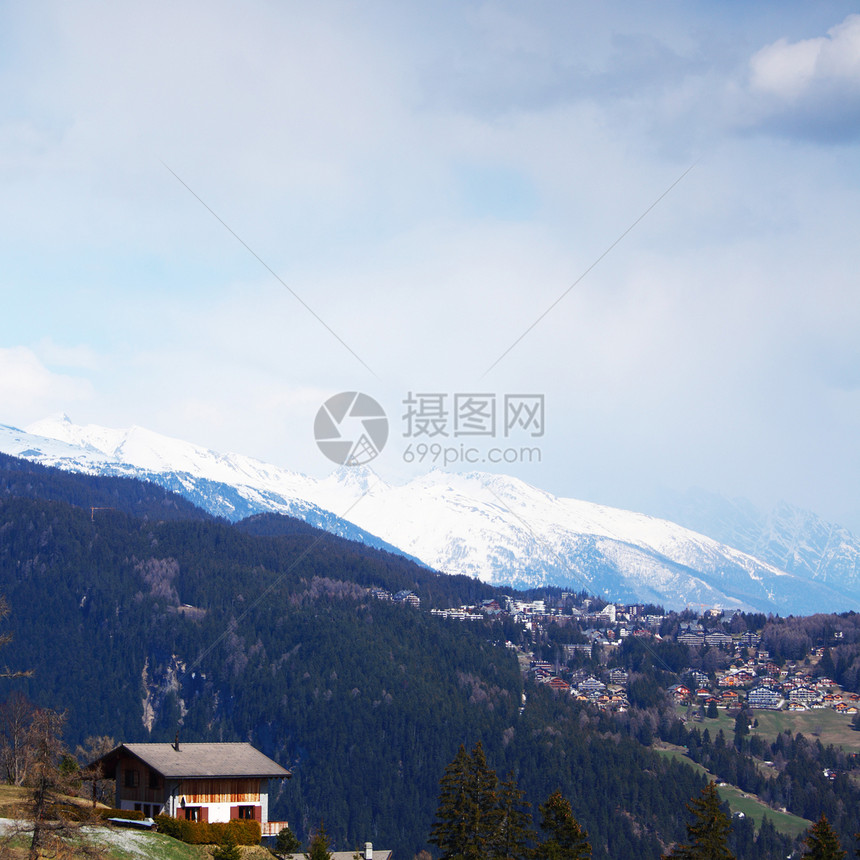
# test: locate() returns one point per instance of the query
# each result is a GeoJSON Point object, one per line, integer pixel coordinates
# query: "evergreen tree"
{"type": "Point", "coordinates": [514, 832]}
{"type": "Point", "coordinates": [319, 846]}
{"type": "Point", "coordinates": [468, 816]}
{"type": "Point", "coordinates": [287, 842]}
{"type": "Point", "coordinates": [822, 843]}
{"type": "Point", "coordinates": [228, 849]}
{"type": "Point", "coordinates": [709, 832]}
{"type": "Point", "coordinates": [566, 839]}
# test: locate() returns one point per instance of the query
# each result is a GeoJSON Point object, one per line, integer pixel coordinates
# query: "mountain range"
{"type": "Point", "coordinates": [497, 528]}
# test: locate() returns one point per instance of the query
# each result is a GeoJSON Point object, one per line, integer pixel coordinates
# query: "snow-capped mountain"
{"type": "Point", "coordinates": [787, 537]}
{"type": "Point", "coordinates": [493, 527]}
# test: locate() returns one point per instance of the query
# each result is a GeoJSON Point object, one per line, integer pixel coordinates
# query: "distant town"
{"type": "Point", "coordinates": [742, 673]}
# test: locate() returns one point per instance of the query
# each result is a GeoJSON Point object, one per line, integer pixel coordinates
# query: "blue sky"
{"type": "Point", "coordinates": [430, 178]}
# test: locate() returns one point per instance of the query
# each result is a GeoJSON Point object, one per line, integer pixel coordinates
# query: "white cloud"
{"type": "Point", "coordinates": [810, 88]}
{"type": "Point", "coordinates": [429, 179]}
{"type": "Point", "coordinates": [29, 390]}
{"type": "Point", "coordinates": [792, 69]}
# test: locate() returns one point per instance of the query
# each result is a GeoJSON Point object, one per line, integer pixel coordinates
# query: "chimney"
{"type": "Point", "coordinates": [176, 743]}
{"type": "Point", "coordinates": [368, 851]}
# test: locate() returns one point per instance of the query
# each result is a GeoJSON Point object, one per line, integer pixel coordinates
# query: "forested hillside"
{"type": "Point", "coordinates": [21, 478]}
{"type": "Point", "coordinates": [139, 627]}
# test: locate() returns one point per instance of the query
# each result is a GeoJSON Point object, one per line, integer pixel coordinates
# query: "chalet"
{"type": "Point", "coordinates": [718, 639]}
{"type": "Point", "coordinates": [543, 665]}
{"type": "Point", "coordinates": [700, 679]}
{"type": "Point", "coordinates": [369, 853]}
{"type": "Point", "coordinates": [764, 697]}
{"type": "Point", "coordinates": [772, 669]}
{"type": "Point", "coordinates": [804, 695]}
{"type": "Point", "coordinates": [196, 782]}
{"type": "Point", "coordinates": [591, 685]}
{"type": "Point", "coordinates": [407, 597]}
{"type": "Point", "coordinates": [618, 676]}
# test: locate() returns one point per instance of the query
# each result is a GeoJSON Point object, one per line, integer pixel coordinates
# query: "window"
{"type": "Point", "coordinates": [192, 813]}
{"type": "Point", "coordinates": [154, 779]}
{"type": "Point", "coordinates": [132, 779]}
{"type": "Point", "coordinates": [246, 812]}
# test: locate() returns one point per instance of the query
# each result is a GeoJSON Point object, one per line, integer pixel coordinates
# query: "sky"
{"type": "Point", "coordinates": [216, 216]}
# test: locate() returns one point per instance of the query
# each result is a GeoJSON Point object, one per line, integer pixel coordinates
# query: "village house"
{"type": "Point", "coordinates": [803, 695]}
{"type": "Point", "coordinates": [617, 676]}
{"type": "Point", "coordinates": [591, 685]}
{"type": "Point", "coordinates": [718, 639]}
{"type": "Point", "coordinates": [680, 692]}
{"type": "Point", "coordinates": [195, 781]}
{"type": "Point", "coordinates": [764, 697]}
{"type": "Point", "coordinates": [700, 679]}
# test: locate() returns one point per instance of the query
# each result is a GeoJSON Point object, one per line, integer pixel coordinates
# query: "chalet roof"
{"type": "Point", "coordinates": [348, 855]}
{"type": "Point", "coordinates": [198, 760]}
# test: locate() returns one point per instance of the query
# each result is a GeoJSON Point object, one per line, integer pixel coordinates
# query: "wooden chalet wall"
{"type": "Point", "coordinates": [239, 791]}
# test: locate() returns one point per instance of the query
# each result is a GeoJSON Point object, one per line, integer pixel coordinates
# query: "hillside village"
{"type": "Point", "coordinates": [330, 678]}
{"type": "Point", "coordinates": [739, 673]}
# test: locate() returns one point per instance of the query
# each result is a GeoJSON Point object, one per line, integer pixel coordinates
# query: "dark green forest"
{"type": "Point", "coordinates": [147, 617]}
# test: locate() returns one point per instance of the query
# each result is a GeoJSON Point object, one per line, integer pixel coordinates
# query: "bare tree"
{"type": "Point", "coordinates": [50, 789]}
{"type": "Point", "coordinates": [94, 747]}
{"type": "Point", "coordinates": [16, 717]}
{"type": "Point", "coordinates": [50, 815]}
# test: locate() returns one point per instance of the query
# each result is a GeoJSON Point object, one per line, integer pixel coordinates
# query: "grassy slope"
{"type": "Point", "coordinates": [825, 724]}
{"type": "Point", "coordinates": [740, 801]}
{"type": "Point", "coordinates": [117, 843]}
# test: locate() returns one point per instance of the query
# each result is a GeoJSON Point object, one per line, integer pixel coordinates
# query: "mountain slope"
{"type": "Point", "coordinates": [138, 628]}
{"type": "Point", "coordinates": [492, 527]}
{"type": "Point", "coordinates": [788, 537]}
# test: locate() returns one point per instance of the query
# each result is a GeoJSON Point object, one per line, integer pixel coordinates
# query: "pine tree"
{"type": "Point", "coordinates": [318, 849]}
{"type": "Point", "coordinates": [467, 817]}
{"type": "Point", "coordinates": [822, 843]}
{"type": "Point", "coordinates": [566, 839]}
{"type": "Point", "coordinates": [514, 832]}
{"type": "Point", "coordinates": [287, 842]}
{"type": "Point", "coordinates": [709, 832]}
{"type": "Point", "coordinates": [228, 849]}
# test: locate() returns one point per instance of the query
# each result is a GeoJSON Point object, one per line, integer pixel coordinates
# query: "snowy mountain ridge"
{"type": "Point", "coordinates": [493, 527]}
